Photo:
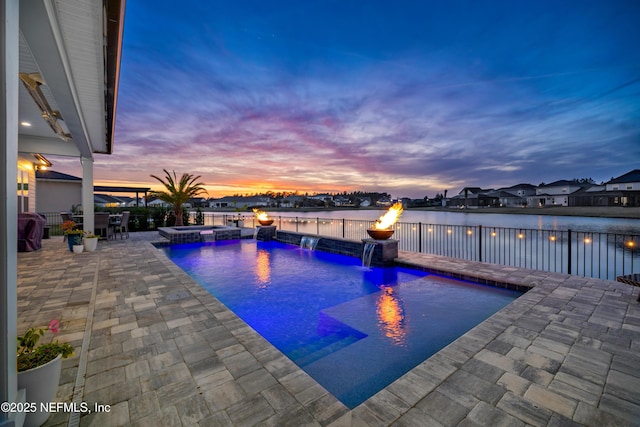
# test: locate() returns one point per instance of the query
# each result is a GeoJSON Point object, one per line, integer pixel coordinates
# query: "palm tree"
{"type": "Point", "coordinates": [178, 192]}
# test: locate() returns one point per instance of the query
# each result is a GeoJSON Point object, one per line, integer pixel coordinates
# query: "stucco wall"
{"type": "Point", "coordinates": [52, 196]}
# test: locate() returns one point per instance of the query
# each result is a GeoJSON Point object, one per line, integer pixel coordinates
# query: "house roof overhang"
{"type": "Point", "coordinates": [69, 65]}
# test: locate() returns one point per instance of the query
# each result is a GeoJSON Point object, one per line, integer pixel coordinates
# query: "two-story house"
{"type": "Point", "coordinates": [554, 194]}
{"type": "Point", "coordinates": [473, 197]}
{"type": "Point", "coordinates": [628, 187]}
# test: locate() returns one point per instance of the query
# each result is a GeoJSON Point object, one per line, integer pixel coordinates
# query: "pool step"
{"type": "Point", "coordinates": [321, 348]}
{"type": "Point", "coordinates": [333, 336]}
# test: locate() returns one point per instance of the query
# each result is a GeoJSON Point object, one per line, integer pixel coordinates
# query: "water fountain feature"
{"type": "Point", "coordinates": [367, 253]}
{"type": "Point", "coordinates": [207, 236]}
{"type": "Point", "coordinates": [308, 242]}
{"type": "Point", "coordinates": [265, 231]}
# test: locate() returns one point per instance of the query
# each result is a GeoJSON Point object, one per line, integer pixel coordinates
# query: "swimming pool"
{"type": "Point", "coordinates": [353, 329]}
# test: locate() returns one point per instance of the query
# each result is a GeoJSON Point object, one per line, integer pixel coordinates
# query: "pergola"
{"type": "Point", "coordinates": [137, 190]}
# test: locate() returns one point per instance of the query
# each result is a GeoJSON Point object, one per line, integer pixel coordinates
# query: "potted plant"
{"type": "Point", "coordinates": [73, 233]}
{"type": "Point", "coordinates": [91, 242]}
{"type": "Point", "coordinates": [39, 369]}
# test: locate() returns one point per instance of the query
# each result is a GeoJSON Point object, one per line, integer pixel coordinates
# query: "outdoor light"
{"type": "Point", "coordinates": [520, 235]}
{"type": "Point", "coordinates": [42, 163]}
{"type": "Point", "coordinates": [449, 231]}
{"type": "Point", "coordinates": [32, 83]}
{"type": "Point", "coordinates": [26, 124]}
{"type": "Point", "coordinates": [631, 243]}
{"type": "Point", "coordinates": [493, 233]}
{"type": "Point", "coordinates": [469, 232]}
{"type": "Point", "coordinates": [552, 238]}
{"type": "Point", "coordinates": [587, 240]}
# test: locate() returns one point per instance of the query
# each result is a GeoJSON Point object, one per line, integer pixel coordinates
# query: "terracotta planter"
{"type": "Point", "coordinates": [379, 234]}
{"type": "Point", "coordinates": [41, 384]}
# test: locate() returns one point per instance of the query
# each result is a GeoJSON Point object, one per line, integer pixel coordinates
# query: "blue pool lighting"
{"type": "Point", "coordinates": [354, 329]}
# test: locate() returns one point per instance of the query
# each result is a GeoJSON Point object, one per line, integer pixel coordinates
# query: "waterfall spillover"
{"type": "Point", "coordinates": [207, 236]}
{"type": "Point", "coordinates": [367, 254]}
{"type": "Point", "coordinates": [308, 242]}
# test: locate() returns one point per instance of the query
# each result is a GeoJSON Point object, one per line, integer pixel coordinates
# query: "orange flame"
{"type": "Point", "coordinates": [260, 215]}
{"type": "Point", "coordinates": [389, 218]}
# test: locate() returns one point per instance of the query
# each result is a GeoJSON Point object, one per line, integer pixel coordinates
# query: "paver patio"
{"type": "Point", "coordinates": [161, 351]}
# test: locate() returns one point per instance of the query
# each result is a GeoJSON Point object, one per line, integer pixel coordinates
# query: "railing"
{"type": "Point", "coordinates": [588, 254]}
{"type": "Point", "coordinates": [54, 222]}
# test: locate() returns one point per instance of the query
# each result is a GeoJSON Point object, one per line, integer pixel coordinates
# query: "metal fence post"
{"type": "Point", "coordinates": [480, 243]}
{"type": "Point", "coordinates": [569, 251]}
{"type": "Point", "coordinates": [343, 221]}
{"type": "Point", "coordinates": [296, 224]}
{"type": "Point", "coordinates": [419, 237]}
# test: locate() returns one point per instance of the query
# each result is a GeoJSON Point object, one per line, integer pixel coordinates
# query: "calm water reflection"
{"type": "Point", "coordinates": [541, 222]}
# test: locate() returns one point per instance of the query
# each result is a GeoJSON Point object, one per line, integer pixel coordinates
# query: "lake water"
{"type": "Point", "coordinates": [596, 247]}
{"type": "Point", "coordinates": [540, 222]}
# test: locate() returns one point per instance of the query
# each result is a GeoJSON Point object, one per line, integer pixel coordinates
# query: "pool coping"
{"type": "Point", "coordinates": [525, 365]}
{"type": "Point", "coordinates": [398, 400]}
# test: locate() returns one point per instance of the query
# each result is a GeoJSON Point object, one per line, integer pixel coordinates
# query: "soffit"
{"type": "Point", "coordinates": [65, 41]}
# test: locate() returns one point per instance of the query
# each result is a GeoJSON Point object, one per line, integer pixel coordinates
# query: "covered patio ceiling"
{"type": "Point", "coordinates": [69, 58]}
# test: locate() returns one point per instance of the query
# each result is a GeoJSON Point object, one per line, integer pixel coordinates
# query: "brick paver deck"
{"type": "Point", "coordinates": [161, 351]}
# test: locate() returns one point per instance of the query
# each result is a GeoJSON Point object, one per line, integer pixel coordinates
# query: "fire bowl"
{"type": "Point", "coordinates": [265, 222]}
{"type": "Point", "coordinates": [379, 234]}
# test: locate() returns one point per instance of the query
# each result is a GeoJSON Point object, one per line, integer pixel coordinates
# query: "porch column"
{"type": "Point", "coordinates": [8, 208]}
{"type": "Point", "coordinates": [87, 194]}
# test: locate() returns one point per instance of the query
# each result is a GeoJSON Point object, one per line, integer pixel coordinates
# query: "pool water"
{"type": "Point", "coordinates": [354, 329]}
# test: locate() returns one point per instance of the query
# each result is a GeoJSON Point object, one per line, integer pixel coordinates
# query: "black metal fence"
{"type": "Point", "coordinates": [139, 220]}
{"type": "Point", "coordinates": [588, 254]}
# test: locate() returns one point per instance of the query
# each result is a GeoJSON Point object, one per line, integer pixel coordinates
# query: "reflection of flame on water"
{"type": "Point", "coordinates": [389, 218]}
{"type": "Point", "coordinates": [390, 315]}
{"type": "Point", "coordinates": [263, 269]}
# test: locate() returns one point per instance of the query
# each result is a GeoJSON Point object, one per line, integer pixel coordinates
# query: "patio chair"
{"type": "Point", "coordinates": [66, 216]}
{"type": "Point", "coordinates": [123, 225]}
{"type": "Point", "coordinates": [101, 222]}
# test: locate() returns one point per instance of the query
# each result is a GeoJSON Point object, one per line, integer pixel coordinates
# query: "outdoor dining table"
{"type": "Point", "coordinates": [114, 221]}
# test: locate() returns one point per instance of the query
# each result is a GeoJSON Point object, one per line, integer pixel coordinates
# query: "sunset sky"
{"type": "Point", "coordinates": [407, 97]}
